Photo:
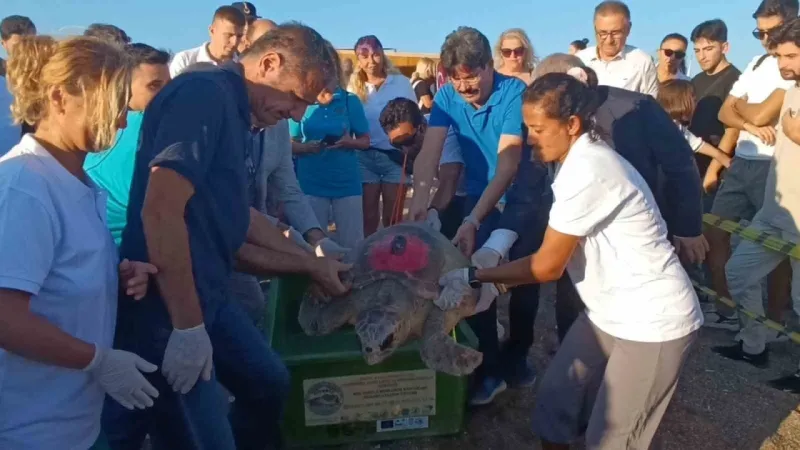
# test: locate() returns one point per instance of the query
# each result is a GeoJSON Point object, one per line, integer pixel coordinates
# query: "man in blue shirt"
{"type": "Point", "coordinates": [484, 109]}
{"type": "Point", "coordinates": [113, 169]}
{"type": "Point", "coordinates": [188, 215]}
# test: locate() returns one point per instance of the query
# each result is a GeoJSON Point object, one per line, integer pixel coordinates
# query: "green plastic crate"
{"type": "Point", "coordinates": [339, 355]}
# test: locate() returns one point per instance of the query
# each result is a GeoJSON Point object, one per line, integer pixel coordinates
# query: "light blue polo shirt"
{"type": "Point", "coordinates": [330, 173]}
{"type": "Point", "coordinates": [113, 171]}
{"type": "Point", "coordinates": [56, 247]}
{"type": "Point", "coordinates": [479, 130]}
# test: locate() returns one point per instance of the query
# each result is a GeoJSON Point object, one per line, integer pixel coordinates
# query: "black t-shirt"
{"type": "Point", "coordinates": [422, 87]}
{"type": "Point", "coordinates": [711, 91]}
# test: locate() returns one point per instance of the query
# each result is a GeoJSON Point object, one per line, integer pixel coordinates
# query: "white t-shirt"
{"type": "Point", "coordinates": [624, 268]}
{"type": "Point", "coordinates": [632, 69]}
{"type": "Point", "coordinates": [395, 86]}
{"type": "Point", "coordinates": [694, 141]}
{"type": "Point", "coordinates": [56, 246]}
{"type": "Point", "coordinates": [757, 85]}
{"type": "Point", "coordinates": [186, 58]}
{"type": "Point", "coordinates": [9, 133]}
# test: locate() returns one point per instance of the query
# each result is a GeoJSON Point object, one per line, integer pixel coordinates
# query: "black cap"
{"type": "Point", "coordinates": [247, 8]}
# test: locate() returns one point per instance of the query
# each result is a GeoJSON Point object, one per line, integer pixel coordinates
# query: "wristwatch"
{"type": "Point", "coordinates": [472, 279]}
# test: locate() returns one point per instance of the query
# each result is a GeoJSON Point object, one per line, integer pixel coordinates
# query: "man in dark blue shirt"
{"type": "Point", "coordinates": [188, 215]}
{"type": "Point", "coordinates": [641, 131]}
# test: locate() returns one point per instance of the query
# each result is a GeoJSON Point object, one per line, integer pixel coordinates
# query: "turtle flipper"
{"type": "Point", "coordinates": [320, 315]}
{"type": "Point", "coordinates": [440, 352]}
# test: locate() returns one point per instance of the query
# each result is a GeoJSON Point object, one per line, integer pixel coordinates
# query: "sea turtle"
{"type": "Point", "coordinates": [395, 279]}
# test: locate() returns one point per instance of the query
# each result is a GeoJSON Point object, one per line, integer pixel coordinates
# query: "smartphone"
{"type": "Point", "coordinates": [330, 139]}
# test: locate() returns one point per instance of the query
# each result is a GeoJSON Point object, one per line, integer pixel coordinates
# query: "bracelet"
{"type": "Point", "coordinates": [472, 220]}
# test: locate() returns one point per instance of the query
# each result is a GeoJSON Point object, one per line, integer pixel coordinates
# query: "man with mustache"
{"type": "Point", "coordinates": [484, 108]}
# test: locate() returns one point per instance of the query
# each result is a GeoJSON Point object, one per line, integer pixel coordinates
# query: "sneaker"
{"type": "Point", "coordinates": [789, 383]}
{"type": "Point", "coordinates": [736, 353]}
{"type": "Point", "coordinates": [719, 321]}
{"type": "Point", "coordinates": [773, 338]}
{"type": "Point", "coordinates": [488, 389]}
{"type": "Point", "coordinates": [523, 375]}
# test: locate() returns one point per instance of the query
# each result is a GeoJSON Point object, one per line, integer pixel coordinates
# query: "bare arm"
{"type": "Point", "coordinates": [426, 101]}
{"type": "Point", "coordinates": [547, 264]}
{"type": "Point", "coordinates": [449, 174]}
{"type": "Point", "coordinates": [729, 116]}
{"type": "Point", "coordinates": [425, 167]}
{"type": "Point", "coordinates": [508, 156]}
{"type": "Point", "coordinates": [764, 113]}
{"type": "Point", "coordinates": [32, 337]}
{"type": "Point", "coordinates": [168, 244]}
{"type": "Point", "coordinates": [263, 233]}
{"type": "Point", "coordinates": [260, 261]}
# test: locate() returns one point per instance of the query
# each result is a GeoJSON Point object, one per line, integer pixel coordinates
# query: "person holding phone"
{"type": "Point", "coordinates": [326, 142]}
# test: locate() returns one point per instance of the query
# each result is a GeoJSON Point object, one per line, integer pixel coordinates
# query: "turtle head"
{"type": "Point", "coordinates": [381, 333]}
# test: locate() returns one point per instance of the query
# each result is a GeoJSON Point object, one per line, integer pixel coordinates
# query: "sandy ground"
{"type": "Point", "coordinates": [719, 405]}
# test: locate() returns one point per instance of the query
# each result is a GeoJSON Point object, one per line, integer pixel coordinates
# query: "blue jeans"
{"type": "Point", "coordinates": [243, 363]}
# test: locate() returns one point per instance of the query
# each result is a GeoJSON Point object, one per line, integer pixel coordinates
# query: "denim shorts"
{"type": "Point", "coordinates": [377, 168]}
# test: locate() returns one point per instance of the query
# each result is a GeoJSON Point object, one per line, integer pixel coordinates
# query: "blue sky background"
{"type": "Point", "coordinates": [408, 25]}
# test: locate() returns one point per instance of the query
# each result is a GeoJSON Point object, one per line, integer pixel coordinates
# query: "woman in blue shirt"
{"type": "Point", "coordinates": [326, 142]}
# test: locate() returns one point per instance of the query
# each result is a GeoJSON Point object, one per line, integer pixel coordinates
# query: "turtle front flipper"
{"type": "Point", "coordinates": [320, 315]}
{"type": "Point", "coordinates": [440, 352]}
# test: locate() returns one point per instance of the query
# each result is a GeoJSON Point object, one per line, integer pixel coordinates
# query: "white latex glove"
{"type": "Point", "coordinates": [328, 247]}
{"type": "Point", "coordinates": [433, 219]}
{"type": "Point", "coordinates": [297, 238]}
{"type": "Point", "coordinates": [485, 258]}
{"type": "Point", "coordinates": [187, 357]}
{"type": "Point", "coordinates": [119, 374]}
{"type": "Point", "coordinates": [455, 285]}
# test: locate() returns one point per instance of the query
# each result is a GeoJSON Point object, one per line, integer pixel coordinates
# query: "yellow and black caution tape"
{"type": "Point", "coordinates": [771, 324]}
{"type": "Point", "coordinates": [759, 237]}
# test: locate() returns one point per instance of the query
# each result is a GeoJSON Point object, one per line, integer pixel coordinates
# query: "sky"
{"type": "Point", "coordinates": [407, 25]}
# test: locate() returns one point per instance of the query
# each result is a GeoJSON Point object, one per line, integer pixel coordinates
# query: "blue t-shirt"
{"type": "Point", "coordinates": [330, 173]}
{"type": "Point", "coordinates": [479, 130]}
{"type": "Point", "coordinates": [198, 126]}
{"type": "Point", "coordinates": [112, 170]}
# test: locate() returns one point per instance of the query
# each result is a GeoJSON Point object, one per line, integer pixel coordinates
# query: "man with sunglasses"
{"type": "Point", "coordinates": [616, 63]}
{"type": "Point", "coordinates": [752, 108]}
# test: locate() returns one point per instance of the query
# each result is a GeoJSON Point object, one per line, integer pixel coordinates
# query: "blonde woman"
{"type": "Point", "coordinates": [58, 268]}
{"type": "Point", "coordinates": [514, 55]}
{"type": "Point", "coordinates": [376, 81]}
{"type": "Point", "coordinates": [423, 81]}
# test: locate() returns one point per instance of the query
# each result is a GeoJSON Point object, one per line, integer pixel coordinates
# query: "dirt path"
{"type": "Point", "coordinates": [720, 404]}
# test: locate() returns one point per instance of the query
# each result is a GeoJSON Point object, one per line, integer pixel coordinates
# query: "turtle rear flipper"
{"type": "Point", "coordinates": [440, 352]}
{"type": "Point", "coordinates": [320, 315]}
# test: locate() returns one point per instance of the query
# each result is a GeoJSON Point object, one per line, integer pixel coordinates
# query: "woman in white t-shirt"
{"type": "Point", "coordinates": [59, 265]}
{"type": "Point", "coordinates": [605, 229]}
{"type": "Point", "coordinates": [376, 81]}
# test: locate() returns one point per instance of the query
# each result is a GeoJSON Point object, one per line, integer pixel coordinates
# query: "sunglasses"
{"type": "Point", "coordinates": [761, 34]}
{"type": "Point", "coordinates": [668, 52]}
{"type": "Point", "coordinates": [507, 52]}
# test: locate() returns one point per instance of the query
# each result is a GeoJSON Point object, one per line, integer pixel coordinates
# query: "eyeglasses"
{"type": "Point", "coordinates": [762, 34]}
{"type": "Point", "coordinates": [603, 35]}
{"type": "Point", "coordinates": [668, 52]}
{"type": "Point", "coordinates": [507, 52]}
{"type": "Point", "coordinates": [469, 81]}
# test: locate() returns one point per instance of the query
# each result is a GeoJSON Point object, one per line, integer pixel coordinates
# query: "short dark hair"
{"type": "Point", "coordinates": [788, 32]}
{"type": "Point", "coordinates": [231, 14]}
{"type": "Point", "coordinates": [713, 30]}
{"type": "Point", "coordinates": [400, 110]}
{"type": "Point", "coordinates": [12, 25]}
{"type": "Point", "coordinates": [784, 8]}
{"type": "Point", "coordinates": [580, 44]}
{"type": "Point", "coordinates": [466, 47]}
{"type": "Point", "coordinates": [140, 53]}
{"type": "Point", "coordinates": [608, 8]}
{"type": "Point", "coordinates": [108, 33]}
{"type": "Point", "coordinates": [561, 96]}
{"type": "Point", "coordinates": [675, 37]}
{"type": "Point", "coordinates": [305, 50]}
